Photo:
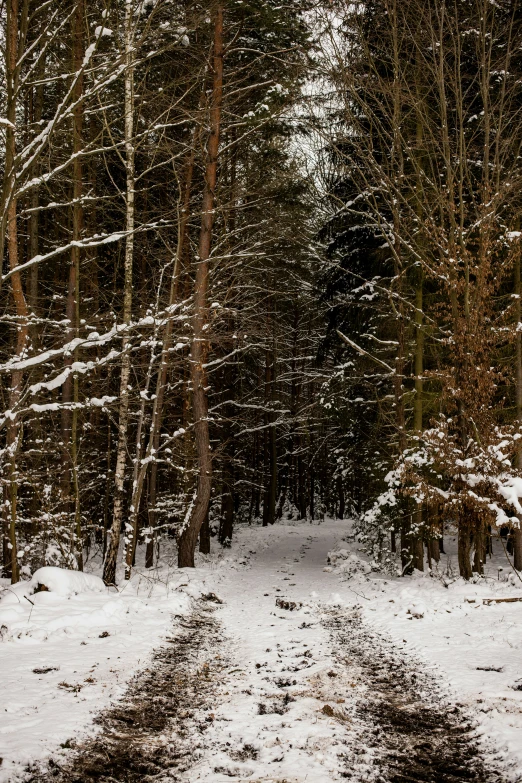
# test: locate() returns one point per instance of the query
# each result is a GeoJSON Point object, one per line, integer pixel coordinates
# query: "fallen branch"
{"type": "Point", "coordinates": [489, 601]}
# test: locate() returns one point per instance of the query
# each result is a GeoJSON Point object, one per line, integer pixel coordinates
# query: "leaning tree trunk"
{"type": "Point", "coordinates": [139, 471]}
{"type": "Point", "coordinates": [200, 346]}
{"type": "Point", "coordinates": [109, 569]}
{"type": "Point", "coordinates": [161, 385]}
{"type": "Point", "coordinates": [141, 464]}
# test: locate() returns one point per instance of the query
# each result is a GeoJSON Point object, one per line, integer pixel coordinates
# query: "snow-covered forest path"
{"type": "Point", "coordinates": [315, 695]}
{"type": "Point", "coordinates": [280, 682]}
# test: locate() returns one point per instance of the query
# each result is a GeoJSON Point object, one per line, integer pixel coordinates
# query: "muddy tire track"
{"type": "Point", "coordinates": [414, 734]}
{"type": "Point", "coordinates": [155, 732]}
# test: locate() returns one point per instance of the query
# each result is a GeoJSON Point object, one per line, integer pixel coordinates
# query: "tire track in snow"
{"type": "Point", "coordinates": [416, 736]}
{"type": "Point", "coordinates": [154, 733]}
{"type": "Point", "coordinates": [309, 695]}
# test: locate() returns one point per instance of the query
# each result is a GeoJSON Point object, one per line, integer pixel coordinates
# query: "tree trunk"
{"type": "Point", "coordinates": [108, 487]}
{"type": "Point", "coordinates": [270, 493]}
{"type": "Point", "coordinates": [73, 299]}
{"type": "Point", "coordinates": [138, 475]}
{"type": "Point", "coordinates": [465, 515]}
{"type": "Point", "coordinates": [417, 546]}
{"type": "Point", "coordinates": [434, 549]}
{"type": "Point", "coordinates": [140, 470]}
{"type": "Point", "coordinates": [109, 570]}
{"type": "Point", "coordinates": [340, 493]}
{"type": "Point", "coordinates": [34, 218]}
{"type": "Point", "coordinates": [406, 553]}
{"type": "Point", "coordinates": [312, 495]}
{"type": "Point", "coordinates": [14, 431]}
{"type": "Point", "coordinates": [200, 345]}
{"type": "Point", "coordinates": [479, 540]}
{"type": "Point", "coordinates": [517, 546]}
{"type": "Point", "coordinates": [517, 532]}
{"type": "Point", "coordinates": [464, 546]}
{"type": "Point", "coordinates": [157, 413]}
{"type": "Point", "coordinates": [301, 484]}
{"type": "Point", "coordinates": [265, 466]}
{"type": "Point", "coordinates": [226, 528]}
{"type": "Point", "coordinates": [204, 536]}
{"type": "Point", "coordinates": [257, 479]}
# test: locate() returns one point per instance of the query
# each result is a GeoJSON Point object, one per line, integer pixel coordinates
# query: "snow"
{"type": "Point", "coordinates": [511, 490]}
{"type": "Point", "coordinates": [287, 707]}
{"type": "Point", "coordinates": [444, 621]}
{"type": "Point", "coordinates": [438, 621]}
{"type": "Point", "coordinates": [67, 583]}
{"type": "Point", "coordinates": [57, 580]}
{"type": "Point", "coordinates": [102, 31]}
{"type": "Point", "coordinates": [276, 654]}
{"type": "Point", "coordinates": [67, 653]}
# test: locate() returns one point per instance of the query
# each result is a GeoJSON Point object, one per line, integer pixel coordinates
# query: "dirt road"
{"type": "Point", "coordinates": [278, 681]}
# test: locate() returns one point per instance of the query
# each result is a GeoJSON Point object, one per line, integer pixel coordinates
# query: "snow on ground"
{"type": "Point", "coordinates": [476, 646]}
{"type": "Point", "coordinates": [472, 650]}
{"type": "Point", "coordinates": [288, 707]}
{"type": "Point", "coordinates": [270, 724]}
{"type": "Point", "coordinates": [67, 653]}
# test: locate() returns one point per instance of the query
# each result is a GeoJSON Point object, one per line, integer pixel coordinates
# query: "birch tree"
{"type": "Point", "coordinates": [109, 569]}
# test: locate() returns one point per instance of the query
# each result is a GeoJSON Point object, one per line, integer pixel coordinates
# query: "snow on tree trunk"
{"type": "Point", "coordinates": [109, 570]}
{"type": "Point", "coordinates": [200, 338]}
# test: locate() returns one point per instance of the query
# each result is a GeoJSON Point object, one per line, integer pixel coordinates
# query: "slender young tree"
{"type": "Point", "coordinates": [14, 431]}
{"type": "Point", "coordinates": [109, 569]}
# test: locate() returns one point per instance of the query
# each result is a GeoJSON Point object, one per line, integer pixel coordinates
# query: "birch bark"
{"type": "Point", "coordinates": [109, 570]}
{"type": "Point", "coordinates": [517, 532]}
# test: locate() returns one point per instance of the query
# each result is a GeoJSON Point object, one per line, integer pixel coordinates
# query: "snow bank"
{"type": "Point", "coordinates": [347, 563]}
{"type": "Point", "coordinates": [56, 580]}
{"type": "Point", "coordinates": [66, 583]}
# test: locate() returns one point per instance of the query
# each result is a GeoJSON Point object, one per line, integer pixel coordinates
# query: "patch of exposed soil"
{"type": "Point", "coordinates": [416, 736]}
{"type": "Point", "coordinates": [155, 732]}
